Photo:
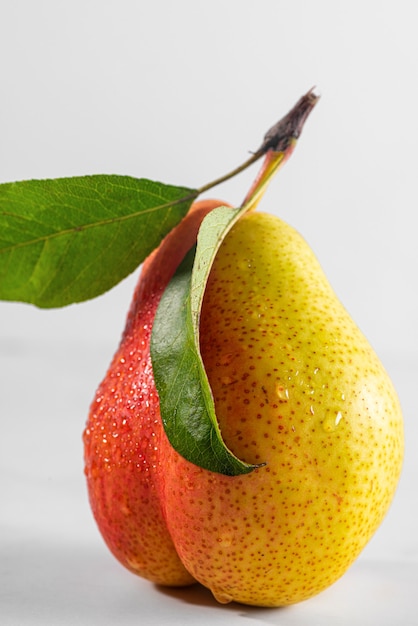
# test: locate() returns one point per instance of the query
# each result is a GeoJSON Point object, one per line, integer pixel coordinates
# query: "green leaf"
{"type": "Point", "coordinates": [71, 239]}
{"type": "Point", "coordinates": [186, 402]}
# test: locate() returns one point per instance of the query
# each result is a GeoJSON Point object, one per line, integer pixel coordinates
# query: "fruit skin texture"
{"type": "Point", "coordinates": [297, 387]}
{"type": "Point", "coordinates": [123, 465]}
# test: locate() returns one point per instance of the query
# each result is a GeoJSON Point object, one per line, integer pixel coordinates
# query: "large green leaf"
{"type": "Point", "coordinates": [186, 402]}
{"type": "Point", "coordinates": [71, 239]}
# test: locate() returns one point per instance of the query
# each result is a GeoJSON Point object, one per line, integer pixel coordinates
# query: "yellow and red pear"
{"type": "Point", "coordinates": [296, 386]}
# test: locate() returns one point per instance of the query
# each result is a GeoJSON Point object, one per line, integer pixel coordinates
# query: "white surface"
{"type": "Point", "coordinates": [181, 92]}
{"type": "Point", "coordinates": [59, 590]}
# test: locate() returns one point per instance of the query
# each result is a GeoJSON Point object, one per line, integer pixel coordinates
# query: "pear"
{"type": "Point", "coordinates": [297, 389]}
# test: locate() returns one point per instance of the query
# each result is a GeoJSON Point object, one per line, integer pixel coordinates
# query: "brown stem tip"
{"type": "Point", "coordinates": [279, 137]}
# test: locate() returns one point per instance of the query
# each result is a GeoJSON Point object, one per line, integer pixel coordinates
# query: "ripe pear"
{"type": "Point", "coordinates": [297, 389]}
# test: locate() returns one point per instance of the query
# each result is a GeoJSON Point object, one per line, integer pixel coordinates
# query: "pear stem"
{"type": "Point", "coordinates": [272, 162]}
{"type": "Point", "coordinates": [279, 140]}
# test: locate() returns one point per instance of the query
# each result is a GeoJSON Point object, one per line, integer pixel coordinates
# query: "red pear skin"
{"type": "Point", "coordinates": [296, 386]}
{"type": "Point", "coordinates": [123, 435]}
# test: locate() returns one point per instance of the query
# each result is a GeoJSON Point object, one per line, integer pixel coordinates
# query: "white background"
{"type": "Point", "coordinates": [181, 92]}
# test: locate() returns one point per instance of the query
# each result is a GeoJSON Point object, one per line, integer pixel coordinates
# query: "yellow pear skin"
{"type": "Point", "coordinates": [297, 387]}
